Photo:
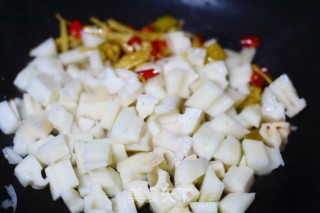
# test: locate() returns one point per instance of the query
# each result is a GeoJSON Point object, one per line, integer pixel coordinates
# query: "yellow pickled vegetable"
{"type": "Point", "coordinates": [109, 51]}
{"type": "Point", "coordinates": [253, 98]}
{"type": "Point", "coordinates": [132, 60]}
{"type": "Point", "coordinates": [165, 23]}
{"type": "Point", "coordinates": [215, 53]}
{"type": "Point", "coordinates": [63, 40]}
{"type": "Point", "coordinates": [254, 135]}
{"type": "Point", "coordinates": [119, 27]}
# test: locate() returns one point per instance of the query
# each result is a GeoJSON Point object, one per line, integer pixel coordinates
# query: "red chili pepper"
{"type": "Point", "coordinates": [75, 29]}
{"type": "Point", "coordinates": [257, 79]}
{"type": "Point", "coordinates": [250, 41]}
{"type": "Point", "coordinates": [147, 29]}
{"type": "Point", "coordinates": [135, 40]}
{"type": "Point", "coordinates": [158, 48]}
{"type": "Point", "coordinates": [149, 73]}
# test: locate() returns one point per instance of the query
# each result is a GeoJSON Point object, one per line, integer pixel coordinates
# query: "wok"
{"type": "Point", "coordinates": [289, 31]}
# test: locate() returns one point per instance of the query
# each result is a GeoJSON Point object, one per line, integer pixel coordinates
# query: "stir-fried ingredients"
{"type": "Point", "coordinates": [119, 117]}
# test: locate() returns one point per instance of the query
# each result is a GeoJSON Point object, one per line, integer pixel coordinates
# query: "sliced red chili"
{"type": "Point", "coordinates": [250, 41]}
{"type": "Point", "coordinates": [257, 80]}
{"type": "Point", "coordinates": [135, 40]}
{"type": "Point", "coordinates": [149, 73]}
{"type": "Point", "coordinates": [159, 48]}
{"type": "Point", "coordinates": [76, 28]}
{"type": "Point", "coordinates": [197, 41]}
{"type": "Point", "coordinates": [260, 76]}
{"type": "Point", "coordinates": [147, 29]}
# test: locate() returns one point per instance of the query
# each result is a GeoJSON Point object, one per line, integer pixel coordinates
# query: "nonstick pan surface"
{"type": "Point", "coordinates": [289, 31]}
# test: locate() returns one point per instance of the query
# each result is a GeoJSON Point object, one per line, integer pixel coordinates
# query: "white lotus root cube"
{"type": "Point", "coordinates": [274, 157]}
{"type": "Point", "coordinates": [53, 150]}
{"type": "Point", "coordinates": [186, 193]}
{"type": "Point", "coordinates": [161, 201]}
{"type": "Point", "coordinates": [272, 110]}
{"type": "Point", "coordinates": [95, 61]}
{"type": "Point", "coordinates": [285, 92]}
{"type": "Point", "coordinates": [229, 152]}
{"type": "Point", "coordinates": [29, 107]}
{"type": "Point", "coordinates": [256, 155]}
{"type": "Point", "coordinates": [190, 120]}
{"type": "Point", "coordinates": [11, 156]}
{"type": "Point", "coordinates": [145, 105]}
{"type": "Point", "coordinates": [203, 97]}
{"type": "Point", "coordinates": [61, 177]}
{"type": "Point", "coordinates": [46, 48]}
{"type": "Point", "coordinates": [48, 65]}
{"type": "Point", "coordinates": [92, 105]}
{"type": "Point", "coordinates": [252, 115]}
{"type": "Point", "coordinates": [25, 76]}
{"type": "Point", "coordinates": [43, 89]}
{"type": "Point", "coordinates": [275, 134]}
{"type": "Point", "coordinates": [28, 172]}
{"type": "Point", "coordinates": [73, 200]}
{"type": "Point", "coordinates": [154, 87]}
{"type": "Point", "coordinates": [92, 155]}
{"type": "Point", "coordinates": [218, 168]}
{"type": "Point", "coordinates": [10, 120]}
{"type": "Point", "coordinates": [85, 183]}
{"type": "Point", "coordinates": [91, 39]}
{"type": "Point", "coordinates": [225, 124]}
{"type": "Point", "coordinates": [109, 179]}
{"type": "Point", "coordinates": [71, 90]}
{"type": "Point", "coordinates": [236, 202]}
{"type": "Point", "coordinates": [211, 187]}
{"type": "Point", "coordinates": [217, 72]}
{"type": "Point", "coordinates": [238, 179]}
{"type": "Point", "coordinates": [124, 203]}
{"type": "Point", "coordinates": [220, 105]}
{"type": "Point", "coordinates": [139, 190]}
{"type": "Point", "coordinates": [195, 56]}
{"type": "Point", "coordinates": [206, 141]}
{"type": "Point", "coordinates": [240, 78]}
{"type": "Point", "coordinates": [108, 119]}
{"type": "Point", "coordinates": [60, 118]}
{"type": "Point", "coordinates": [97, 200]}
{"type": "Point", "coordinates": [72, 56]}
{"type": "Point", "coordinates": [127, 127]}
{"type": "Point", "coordinates": [190, 170]}
{"type": "Point", "coordinates": [204, 207]}
{"type": "Point", "coordinates": [159, 180]}
{"type": "Point", "coordinates": [178, 41]}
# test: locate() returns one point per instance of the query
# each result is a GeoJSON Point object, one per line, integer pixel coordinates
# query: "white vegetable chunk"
{"type": "Point", "coordinates": [92, 105]}
{"type": "Point", "coordinates": [274, 157]}
{"type": "Point", "coordinates": [178, 41]}
{"type": "Point", "coordinates": [195, 56]}
{"type": "Point", "coordinates": [28, 172]}
{"type": "Point", "coordinates": [92, 155]}
{"type": "Point", "coordinates": [229, 152]}
{"type": "Point", "coordinates": [73, 200]}
{"type": "Point", "coordinates": [11, 156]}
{"type": "Point", "coordinates": [178, 208]}
{"type": "Point", "coordinates": [204, 207]}
{"type": "Point", "coordinates": [61, 177]}
{"type": "Point", "coordinates": [85, 183]}
{"type": "Point", "coordinates": [186, 193]}
{"type": "Point", "coordinates": [221, 105]}
{"type": "Point", "coordinates": [238, 179]}
{"type": "Point", "coordinates": [285, 92]}
{"type": "Point", "coordinates": [109, 179]}
{"type": "Point", "coordinates": [256, 155]}
{"type": "Point", "coordinates": [272, 110]}
{"type": "Point", "coordinates": [252, 115]}
{"type": "Point", "coordinates": [95, 61]}
{"type": "Point", "coordinates": [228, 126]}
{"type": "Point", "coordinates": [203, 97]}
{"type": "Point", "coordinates": [275, 134]}
{"type": "Point", "coordinates": [218, 168]}
{"type": "Point", "coordinates": [108, 119]}
{"type": "Point", "coordinates": [236, 202]}
{"type": "Point", "coordinates": [10, 120]}
{"type": "Point", "coordinates": [139, 190]}
{"type": "Point", "coordinates": [190, 120]}
{"type": "Point", "coordinates": [159, 180]}
{"type": "Point", "coordinates": [48, 65]}
{"type": "Point", "coordinates": [206, 141]}
{"type": "Point", "coordinates": [217, 72]}
{"type": "Point", "coordinates": [60, 118]}
{"type": "Point", "coordinates": [155, 87]}
{"type": "Point", "coordinates": [91, 39]}
{"type": "Point", "coordinates": [54, 150]}
{"type": "Point", "coordinates": [189, 171]}
{"type": "Point", "coordinates": [240, 77]}
{"type": "Point", "coordinates": [211, 187]}
{"type": "Point", "coordinates": [46, 48]}
{"type": "Point", "coordinates": [161, 202]}
{"type": "Point", "coordinates": [97, 200]}
{"type": "Point", "coordinates": [124, 203]}
{"type": "Point", "coordinates": [29, 107]}
{"type": "Point", "coordinates": [43, 89]}
{"type": "Point", "coordinates": [72, 56]}
{"type": "Point", "coordinates": [145, 105]}
{"type": "Point", "coordinates": [127, 127]}
{"type": "Point", "coordinates": [25, 76]}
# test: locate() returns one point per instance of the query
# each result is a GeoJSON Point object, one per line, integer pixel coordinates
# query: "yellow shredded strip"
{"type": "Point", "coordinates": [257, 69]}
{"type": "Point", "coordinates": [63, 40]}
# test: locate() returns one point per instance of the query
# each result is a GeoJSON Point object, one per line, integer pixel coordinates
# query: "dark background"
{"type": "Point", "coordinates": [290, 34]}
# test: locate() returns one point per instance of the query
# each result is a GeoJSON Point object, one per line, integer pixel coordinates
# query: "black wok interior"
{"type": "Point", "coordinates": [289, 31]}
